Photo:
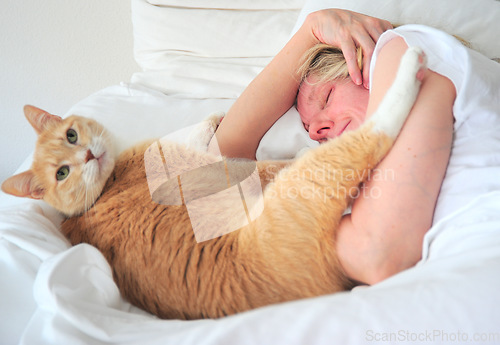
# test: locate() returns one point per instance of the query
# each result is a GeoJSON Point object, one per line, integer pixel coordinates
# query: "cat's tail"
{"type": "Point", "coordinates": [395, 107]}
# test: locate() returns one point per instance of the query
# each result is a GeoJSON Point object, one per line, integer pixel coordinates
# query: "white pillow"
{"type": "Point", "coordinates": [477, 21]}
{"type": "Point", "coordinates": [200, 49]}
{"type": "Point", "coordinates": [208, 49]}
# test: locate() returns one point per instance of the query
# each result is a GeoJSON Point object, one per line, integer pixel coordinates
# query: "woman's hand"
{"type": "Point", "coordinates": [348, 30]}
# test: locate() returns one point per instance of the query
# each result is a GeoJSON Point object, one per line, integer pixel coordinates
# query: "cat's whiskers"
{"type": "Point", "coordinates": [98, 148]}
{"type": "Point", "coordinates": [90, 212]}
{"type": "Point", "coordinates": [92, 175]}
{"type": "Point", "coordinates": [103, 131]}
{"type": "Point", "coordinates": [80, 196]}
{"type": "Point", "coordinates": [100, 140]}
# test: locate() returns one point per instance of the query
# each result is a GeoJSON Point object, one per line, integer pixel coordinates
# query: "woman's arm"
{"type": "Point", "coordinates": [384, 233]}
{"type": "Point", "coordinates": [267, 98]}
{"type": "Point", "coordinates": [274, 90]}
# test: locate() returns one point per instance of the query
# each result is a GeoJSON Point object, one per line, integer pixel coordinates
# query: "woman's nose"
{"type": "Point", "coordinates": [321, 130]}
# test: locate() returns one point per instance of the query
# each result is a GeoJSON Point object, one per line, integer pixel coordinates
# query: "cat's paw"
{"type": "Point", "coordinates": [214, 119]}
{"type": "Point", "coordinates": [201, 134]}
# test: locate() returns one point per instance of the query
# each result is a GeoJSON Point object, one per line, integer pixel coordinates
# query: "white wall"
{"type": "Point", "coordinates": [54, 53]}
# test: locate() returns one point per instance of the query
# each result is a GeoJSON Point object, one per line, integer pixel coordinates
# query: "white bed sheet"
{"type": "Point", "coordinates": [454, 293]}
{"type": "Point", "coordinates": [52, 293]}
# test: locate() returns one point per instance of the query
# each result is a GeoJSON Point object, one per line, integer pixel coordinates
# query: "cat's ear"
{"type": "Point", "coordinates": [23, 185]}
{"type": "Point", "coordinates": [39, 118]}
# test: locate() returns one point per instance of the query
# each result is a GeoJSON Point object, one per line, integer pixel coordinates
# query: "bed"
{"type": "Point", "coordinates": [196, 58]}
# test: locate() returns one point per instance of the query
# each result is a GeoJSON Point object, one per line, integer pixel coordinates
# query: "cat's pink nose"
{"type": "Point", "coordinates": [89, 156]}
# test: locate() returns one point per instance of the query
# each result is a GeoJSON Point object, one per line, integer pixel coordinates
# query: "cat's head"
{"type": "Point", "coordinates": [73, 159]}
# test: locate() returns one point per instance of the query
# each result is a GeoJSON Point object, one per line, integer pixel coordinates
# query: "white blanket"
{"type": "Point", "coordinates": [52, 293]}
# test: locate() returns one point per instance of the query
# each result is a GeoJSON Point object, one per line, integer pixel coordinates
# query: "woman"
{"type": "Point", "coordinates": [383, 234]}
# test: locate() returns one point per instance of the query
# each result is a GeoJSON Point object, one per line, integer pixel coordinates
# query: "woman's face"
{"type": "Point", "coordinates": [327, 109]}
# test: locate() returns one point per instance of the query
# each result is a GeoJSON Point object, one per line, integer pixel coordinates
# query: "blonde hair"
{"type": "Point", "coordinates": [327, 63]}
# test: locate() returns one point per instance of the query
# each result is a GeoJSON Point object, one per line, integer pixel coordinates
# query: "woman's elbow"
{"type": "Point", "coordinates": [394, 259]}
{"type": "Point", "coordinates": [370, 253]}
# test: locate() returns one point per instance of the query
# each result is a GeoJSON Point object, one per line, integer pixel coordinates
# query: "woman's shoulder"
{"type": "Point", "coordinates": [386, 67]}
{"type": "Point", "coordinates": [437, 45]}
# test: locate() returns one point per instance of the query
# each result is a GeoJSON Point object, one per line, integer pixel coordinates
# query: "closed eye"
{"type": "Point", "coordinates": [306, 127]}
{"type": "Point", "coordinates": [328, 97]}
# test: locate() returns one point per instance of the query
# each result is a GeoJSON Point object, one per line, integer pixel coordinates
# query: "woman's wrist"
{"type": "Point", "coordinates": [310, 26]}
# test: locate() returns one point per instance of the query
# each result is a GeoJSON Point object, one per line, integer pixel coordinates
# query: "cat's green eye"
{"type": "Point", "coordinates": [62, 173]}
{"type": "Point", "coordinates": [72, 136]}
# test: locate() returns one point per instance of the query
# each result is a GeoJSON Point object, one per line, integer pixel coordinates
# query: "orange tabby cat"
{"type": "Point", "coordinates": [286, 253]}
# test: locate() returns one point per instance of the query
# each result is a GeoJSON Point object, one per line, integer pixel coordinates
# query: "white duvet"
{"type": "Point", "coordinates": [52, 293]}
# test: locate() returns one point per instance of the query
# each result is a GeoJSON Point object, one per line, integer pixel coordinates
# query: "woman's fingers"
{"type": "Point", "coordinates": [367, 45]}
{"type": "Point", "coordinates": [348, 30]}
{"type": "Point", "coordinates": [366, 36]}
{"type": "Point", "coordinates": [350, 53]}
